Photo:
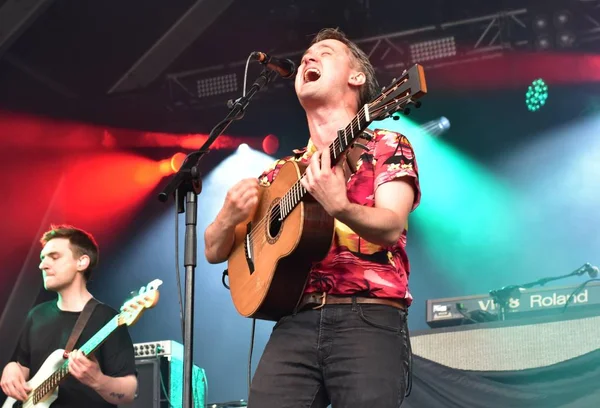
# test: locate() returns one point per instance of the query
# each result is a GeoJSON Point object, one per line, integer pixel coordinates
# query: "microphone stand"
{"type": "Point", "coordinates": [186, 185]}
{"type": "Point", "coordinates": [503, 295]}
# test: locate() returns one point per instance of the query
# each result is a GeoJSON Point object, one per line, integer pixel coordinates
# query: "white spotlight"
{"type": "Point", "coordinates": [243, 148]}
{"type": "Point", "coordinates": [436, 127]}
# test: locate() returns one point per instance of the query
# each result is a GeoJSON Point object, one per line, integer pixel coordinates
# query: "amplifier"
{"type": "Point", "coordinates": [160, 376]}
{"type": "Point", "coordinates": [158, 348]}
{"type": "Point", "coordinates": [530, 302]}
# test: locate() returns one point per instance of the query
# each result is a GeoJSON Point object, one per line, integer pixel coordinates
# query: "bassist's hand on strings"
{"type": "Point", "coordinates": [13, 382]}
{"type": "Point", "coordinates": [326, 184]}
{"type": "Point", "coordinates": [85, 369]}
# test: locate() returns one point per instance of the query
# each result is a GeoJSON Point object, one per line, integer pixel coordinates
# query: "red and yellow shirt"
{"type": "Point", "coordinates": [353, 265]}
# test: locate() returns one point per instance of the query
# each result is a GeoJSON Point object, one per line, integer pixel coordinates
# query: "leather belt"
{"type": "Point", "coordinates": [318, 300]}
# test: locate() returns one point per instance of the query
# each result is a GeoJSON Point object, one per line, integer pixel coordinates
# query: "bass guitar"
{"type": "Point", "coordinates": [44, 385]}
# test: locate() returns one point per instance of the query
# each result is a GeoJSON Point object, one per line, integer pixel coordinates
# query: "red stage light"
{"type": "Point", "coordinates": [172, 164]}
{"type": "Point", "coordinates": [270, 144]}
{"type": "Point", "coordinates": [177, 160]}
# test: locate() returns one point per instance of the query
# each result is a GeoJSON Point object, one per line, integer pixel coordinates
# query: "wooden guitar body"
{"type": "Point", "coordinates": [271, 260]}
{"type": "Point", "coordinates": [275, 248]}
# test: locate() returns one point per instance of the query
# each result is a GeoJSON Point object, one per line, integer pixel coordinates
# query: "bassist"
{"type": "Point", "coordinates": [103, 380]}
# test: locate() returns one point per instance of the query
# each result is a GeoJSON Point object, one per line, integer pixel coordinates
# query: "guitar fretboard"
{"type": "Point", "coordinates": [92, 344]}
{"type": "Point", "coordinates": [345, 138]}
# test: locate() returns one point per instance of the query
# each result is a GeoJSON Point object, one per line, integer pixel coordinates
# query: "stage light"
{"type": "Point", "coordinates": [270, 144]}
{"type": "Point", "coordinates": [562, 18]}
{"type": "Point", "coordinates": [434, 49]}
{"type": "Point", "coordinates": [536, 95]}
{"type": "Point", "coordinates": [436, 127]}
{"type": "Point", "coordinates": [243, 148]}
{"type": "Point", "coordinates": [543, 42]}
{"type": "Point", "coordinates": [172, 164]}
{"type": "Point", "coordinates": [177, 160]}
{"type": "Point", "coordinates": [540, 23]}
{"type": "Point", "coordinates": [216, 85]}
{"type": "Point", "coordinates": [565, 39]}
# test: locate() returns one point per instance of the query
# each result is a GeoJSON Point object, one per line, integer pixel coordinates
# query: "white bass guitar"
{"type": "Point", "coordinates": [44, 385]}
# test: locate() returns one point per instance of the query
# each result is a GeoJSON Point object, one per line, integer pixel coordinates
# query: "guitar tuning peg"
{"type": "Point", "coordinates": [417, 104]}
{"type": "Point", "coordinates": [406, 111]}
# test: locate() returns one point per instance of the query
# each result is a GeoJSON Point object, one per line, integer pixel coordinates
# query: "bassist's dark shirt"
{"type": "Point", "coordinates": [48, 328]}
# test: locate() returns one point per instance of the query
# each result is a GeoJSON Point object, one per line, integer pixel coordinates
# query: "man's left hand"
{"type": "Point", "coordinates": [326, 184]}
{"type": "Point", "coordinates": [86, 370]}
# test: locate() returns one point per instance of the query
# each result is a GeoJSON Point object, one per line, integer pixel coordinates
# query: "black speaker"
{"type": "Point", "coordinates": [160, 384]}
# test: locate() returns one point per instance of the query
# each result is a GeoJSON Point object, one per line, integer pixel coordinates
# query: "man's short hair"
{"type": "Point", "coordinates": [370, 89]}
{"type": "Point", "coordinates": [81, 243]}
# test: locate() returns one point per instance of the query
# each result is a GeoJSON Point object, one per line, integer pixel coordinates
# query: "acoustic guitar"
{"type": "Point", "coordinates": [276, 246]}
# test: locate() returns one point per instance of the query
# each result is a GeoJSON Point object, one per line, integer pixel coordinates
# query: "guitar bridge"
{"type": "Point", "coordinates": [248, 249]}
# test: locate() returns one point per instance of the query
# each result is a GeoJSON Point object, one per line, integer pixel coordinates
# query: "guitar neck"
{"type": "Point", "coordinates": [345, 138]}
{"type": "Point", "coordinates": [349, 134]}
{"type": "Point", "coordinates": [89, 347]}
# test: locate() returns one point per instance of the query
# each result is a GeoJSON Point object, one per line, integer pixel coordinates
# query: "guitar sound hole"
{"type": "Point", "coordinates": [274, 222]}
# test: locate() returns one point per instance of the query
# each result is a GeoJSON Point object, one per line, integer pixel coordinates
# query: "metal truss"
{"type": "Point", "coordinates": [185, 30]}
{"type": "Point", "coordinates": [484, 37]}
{"type": "Point", "coordinates": [16, 16]}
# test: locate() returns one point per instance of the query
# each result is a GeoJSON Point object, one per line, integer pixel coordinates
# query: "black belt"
{"type": "Point", "coordinates": [318, 300]}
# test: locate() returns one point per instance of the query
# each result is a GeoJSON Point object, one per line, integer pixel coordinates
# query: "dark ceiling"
{"type": "Point", "coordinates": [67, 59]}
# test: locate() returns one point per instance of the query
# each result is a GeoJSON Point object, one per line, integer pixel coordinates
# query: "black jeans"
{"type": "Point", "coordinates": [348, 355]}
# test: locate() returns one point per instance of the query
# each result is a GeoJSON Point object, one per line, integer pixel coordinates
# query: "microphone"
{"type": "Point", "coordinates": [283, 66]}
{"type": "Point", "coordinates": [592, 271]}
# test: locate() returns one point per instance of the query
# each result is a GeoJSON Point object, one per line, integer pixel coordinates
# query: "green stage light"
{"type": "Point", "coordinates": [537, 94]}
{"type": "Point", "coordinates": [467, 217]}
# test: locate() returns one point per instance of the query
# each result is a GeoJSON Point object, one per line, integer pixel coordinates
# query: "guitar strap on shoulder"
{"type": "Point", "coordinates": [79, 325]}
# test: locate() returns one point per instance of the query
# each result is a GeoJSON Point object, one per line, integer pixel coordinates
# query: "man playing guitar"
{"type": "Point", "coordinates": [347, 341]}
{"type": "Point", "coordinates": [102, 380]}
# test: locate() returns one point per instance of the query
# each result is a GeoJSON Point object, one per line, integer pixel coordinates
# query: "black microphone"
{"type": "Point", "coordinates": [283, 66]}
{"type": "Point", "coordinates": [592, 271]}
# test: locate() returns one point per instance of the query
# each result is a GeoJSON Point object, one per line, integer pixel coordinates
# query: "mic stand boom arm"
{"type": "Point", "coordinates": [186, 185]}
{"type": "Point", "coordinates": [502, 296]}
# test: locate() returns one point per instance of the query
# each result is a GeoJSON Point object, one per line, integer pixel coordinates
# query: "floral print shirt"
{"type": "Point", "coordinates": [353, 265]}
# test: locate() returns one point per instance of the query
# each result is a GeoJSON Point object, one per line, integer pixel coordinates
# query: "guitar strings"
{"type": "Point", "coordinates": [258, 227]}
{"type": "Point", "coordinates": [296, 188]}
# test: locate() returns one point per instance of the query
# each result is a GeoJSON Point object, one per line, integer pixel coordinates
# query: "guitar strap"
{"type": "Point", "coordinates": [79, 325]}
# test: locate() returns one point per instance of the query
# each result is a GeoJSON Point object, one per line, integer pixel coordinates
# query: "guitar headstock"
{"type": "Point", "coordinates": [146, 298]}
{"type": "Point", "coordinates": [401, 92]}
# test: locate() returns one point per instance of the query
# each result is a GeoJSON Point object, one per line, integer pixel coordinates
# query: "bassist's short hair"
{"type": "Point", "coordinates": [81, 243]}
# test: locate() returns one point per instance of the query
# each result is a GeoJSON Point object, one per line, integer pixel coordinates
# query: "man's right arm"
{"type": "Point", "coordinates": [239, 203]}
{"type": "Point", "coordinates": [219, 238]}
{"type": "Point", "coordinates": [13, 382]}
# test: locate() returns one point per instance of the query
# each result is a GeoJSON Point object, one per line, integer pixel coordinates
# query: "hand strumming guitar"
{"type": "Point", "coordinates": [13, 381]}
{"type": "Point", "coordinates": [240, 201]}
